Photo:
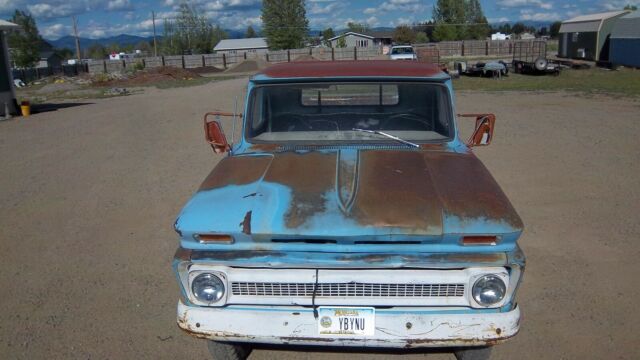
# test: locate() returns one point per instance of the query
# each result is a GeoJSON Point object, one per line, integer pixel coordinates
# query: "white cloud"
{"type": "Point", "coordinates": [497, 20]}
{"type": "Point", "coordinates": [408, 6]}
{"type": "Point", "coordinates": [118, 5]}
{"type": "Point", "coordinates": [333, 8]}
{"type": "Point", "coordinates": [539, 16]}
{"type": "Point", "coordinates": [372, 21]}
{"type": "Point", "coordinates": [525, 3]}
{"type": "Point", "coordinates": [614, 5]}
{"type": "Point", "coordinates": [370, 11]}
{"type": "Point", "coordinates": [55, 31]}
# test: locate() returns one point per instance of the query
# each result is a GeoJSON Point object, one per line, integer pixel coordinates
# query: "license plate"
{"type": "Point", "coordinates": [346, 321]}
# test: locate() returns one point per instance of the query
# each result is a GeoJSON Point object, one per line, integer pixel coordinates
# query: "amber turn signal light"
{"type": "Point", "coordinates": [214, 239]}
{"type": "Point", "coordinates": [479, 240]}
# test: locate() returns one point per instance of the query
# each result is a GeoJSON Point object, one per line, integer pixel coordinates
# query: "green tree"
{"type": "Point", "coordinates": [218, 34]}
{"type": "Point", "coordinates": [554, 30]}
{"type": "Point", "coordinates": [64, 53]}
{"type": "Point", "coordinates": [97, 52]}
{"type": "Point", "coordinates": [250, 32]}
{"type": "Point", "coordinates": [403, 34]}
{"type": "Point", "coordinates": [342, 42]}
{"type": "Point", "coordinates": [285, 23]}
{"type": "Point", "coordinates": [189, 33]}
{"type": "Point", "coordinates": [24, 44]}
{"type": "Point", "coordinates": [359, 28]}
{"type": "Point", "coordinates": [449, 16]}
{"type": "Point", "coordinates": [145, 47]}
{"type": "Point", "coordinates": [518, 28]}
{"type": "Point", "coordinates": [630, 7]}
{"type": "Point", "coordinates": [326, 35]}
{"type": "Point", "coordinates": [421, 37]}
{"type": "Point", "coordinates": [478, 26]}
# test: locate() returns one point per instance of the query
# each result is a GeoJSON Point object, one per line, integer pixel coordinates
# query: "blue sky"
{"type": "Point", "coordinates": [101, 18]}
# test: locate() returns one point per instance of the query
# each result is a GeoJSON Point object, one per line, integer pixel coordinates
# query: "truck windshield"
{"type": "Point", "coordinates": [401, 50]}
{"type": "Point", "coordinates": [330, 112]}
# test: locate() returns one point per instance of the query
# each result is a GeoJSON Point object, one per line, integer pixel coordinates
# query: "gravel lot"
{"type": "Point", "coordinates": [88, 196]}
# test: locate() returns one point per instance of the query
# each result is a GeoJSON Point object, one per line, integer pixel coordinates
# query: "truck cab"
{"type": "Point", "coordinates": [350, 213]}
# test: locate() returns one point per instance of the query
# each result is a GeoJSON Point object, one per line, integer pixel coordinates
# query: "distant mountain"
{"type": "Point", "coordinates": [69, 42]}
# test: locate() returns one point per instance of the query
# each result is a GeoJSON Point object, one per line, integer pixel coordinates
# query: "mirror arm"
{"type": "Point", "coordinates": [482, 121]}
{"type": "Point", "coordinates": [216, 115]}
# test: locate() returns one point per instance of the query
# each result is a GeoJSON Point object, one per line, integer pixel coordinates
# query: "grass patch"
{"type": "Point", "coordinates": [624, 82]}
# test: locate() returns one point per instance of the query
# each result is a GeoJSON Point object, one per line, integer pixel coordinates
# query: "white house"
{"type": "Point", "coordinates": [242, 46]}
{"type": "Point", "coordinates": [354, 39]}
{"type": "Point", "coordinates": [500, 36]}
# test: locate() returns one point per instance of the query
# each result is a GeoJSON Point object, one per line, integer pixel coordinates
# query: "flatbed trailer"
{"type": "Point", "coordinates": [530, 57]}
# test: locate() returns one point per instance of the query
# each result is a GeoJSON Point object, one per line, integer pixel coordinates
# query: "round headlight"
{"type": "Point", "coordinates": [207, 288]}
{"type": "Point", "coordinates": [489, 290]}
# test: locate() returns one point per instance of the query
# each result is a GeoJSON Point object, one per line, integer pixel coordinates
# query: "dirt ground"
{"type": "Point", "coordinates": [89, 193]}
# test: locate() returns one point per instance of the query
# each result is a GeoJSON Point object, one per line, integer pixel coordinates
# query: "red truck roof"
{"type": "Point", "coordinates": [360, 68]}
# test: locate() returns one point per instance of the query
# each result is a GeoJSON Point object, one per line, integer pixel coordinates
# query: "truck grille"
{"type": "Point", "coordinates": [351, 289]}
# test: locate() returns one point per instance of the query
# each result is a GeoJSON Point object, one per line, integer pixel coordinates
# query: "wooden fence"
{"type": "Point", "coordinates": [33, 74]}
{"type": "Point", "coordinates": [224, 61]}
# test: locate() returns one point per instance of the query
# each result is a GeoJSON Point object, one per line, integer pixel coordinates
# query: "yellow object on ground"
{"type": "Point", "coordinates": [25, 106]}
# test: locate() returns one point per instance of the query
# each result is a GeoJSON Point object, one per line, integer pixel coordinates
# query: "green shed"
{"type": "Point", "coordinates": [587, 36]}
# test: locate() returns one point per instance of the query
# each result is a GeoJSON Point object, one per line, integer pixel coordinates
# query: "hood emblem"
{"type": "Point", "coordinates": [347, 168]}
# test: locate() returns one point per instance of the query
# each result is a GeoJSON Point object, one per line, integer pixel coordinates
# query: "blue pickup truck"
{"type": "Point", "coordinates": [349, 213]}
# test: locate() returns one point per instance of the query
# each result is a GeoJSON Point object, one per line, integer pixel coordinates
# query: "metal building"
{"type": "Point", "coordinates": [625, 41]}
{"type": "Point", "coordinates": [7, 91]}
{"type": "Point", "coordinates": [250, 46]}
{"type": "Point", "coordinates": [587, 36]}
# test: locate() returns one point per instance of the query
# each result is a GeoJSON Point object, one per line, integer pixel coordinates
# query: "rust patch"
{"type": "Point", "coordinates": [287, 339]}
{"type": "Point", "coordinates": [468, 190]}
{"type": "Point", "coordinates": [238, 170]}
{"type": "Point", "coordinates": [182, 254]}
{"type": "Point", "coordinates": [246, 223]}
{"type": "Point", "coordinates": [308, 176]}
{"type": "Point", "coordinates": [374, 68]}
{"type": "Point", "coordinates": [264, 147]}
{"type": "Point", "coordinates": [234, 255]}
{"type": "Point", "coordinates": [446, 258]}
{"type": "Point", "coordinates": [395, 190]}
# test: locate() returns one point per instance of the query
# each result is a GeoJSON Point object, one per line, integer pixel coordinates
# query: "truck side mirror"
{"type": "Point", "coordinates": [483, 132]}
{"type": "Point", "coordinates": [213, 132]}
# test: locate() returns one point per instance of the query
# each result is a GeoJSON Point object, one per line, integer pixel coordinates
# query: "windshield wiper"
{"type": "Point", "coordinates": [387, 136]}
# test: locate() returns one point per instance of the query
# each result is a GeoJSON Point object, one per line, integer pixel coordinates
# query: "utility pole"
{"type": "Point", "coordinates": [155, 44]}
{"type": "Point", "coordinates": [75, 32]}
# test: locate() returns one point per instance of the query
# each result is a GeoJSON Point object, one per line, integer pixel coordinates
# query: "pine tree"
{"type": "Point", "coordinates": [478, 27]}
{"type": "Point", "coordinates": [449, 16]}
{"type": "Point", "coordinates": [250, 32]}
{"type": "Point", "coordinates": [25, 44]}
{"type": "Point", "coordinates": [285, 23]}
{"type": "Point", "coordinates": [403, 34]}
{"type": "Point", "coordinates": [326, 35]}
{"type": "Point", "coordinates": [359, 28]}
{"type": "Point", "coordinates": [189, 33]}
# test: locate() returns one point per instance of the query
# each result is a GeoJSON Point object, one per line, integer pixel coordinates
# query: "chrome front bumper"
{"type": "Point", "coordinates": [394, 328]}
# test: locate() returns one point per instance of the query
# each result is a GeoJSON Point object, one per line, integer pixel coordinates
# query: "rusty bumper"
{"type": "Point", "coordinates": [405, 328]}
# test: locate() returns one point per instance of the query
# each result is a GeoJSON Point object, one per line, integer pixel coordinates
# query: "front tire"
{"type": "Point", "coordinates": [482, 353]}
{"type": "Point", "coordinates": [228, 351]}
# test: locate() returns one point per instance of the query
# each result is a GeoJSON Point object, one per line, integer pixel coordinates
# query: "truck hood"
{"type": "Point", "coordinates": [349, 194]}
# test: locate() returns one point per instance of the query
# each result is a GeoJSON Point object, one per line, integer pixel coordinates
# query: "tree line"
{"type": "Point", "coordinates": [285, 26]}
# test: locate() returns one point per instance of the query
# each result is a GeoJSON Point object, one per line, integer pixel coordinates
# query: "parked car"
{"type": "Point", "coordinates": [349, 213]}
{"type": "Point", "coordinates": [402, 52]}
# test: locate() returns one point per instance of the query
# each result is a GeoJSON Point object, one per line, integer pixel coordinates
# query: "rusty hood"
{"type": "Point", "coordinates": [350, 194]}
